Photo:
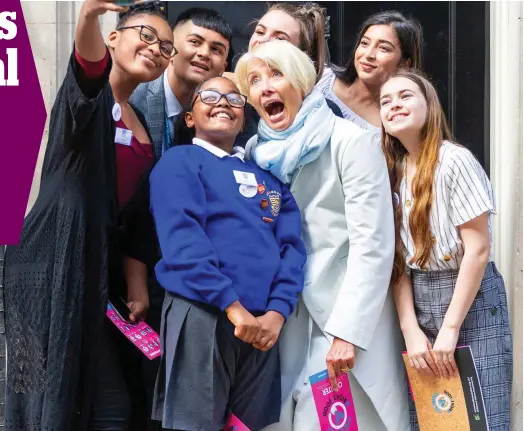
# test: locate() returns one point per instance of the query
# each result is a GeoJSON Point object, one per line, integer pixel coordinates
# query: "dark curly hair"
{"type": "Point", "coordinates": [153, 8]}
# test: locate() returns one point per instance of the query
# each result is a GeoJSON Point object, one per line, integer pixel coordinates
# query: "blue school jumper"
{"type": "Point", "coordinates": [228, 231]}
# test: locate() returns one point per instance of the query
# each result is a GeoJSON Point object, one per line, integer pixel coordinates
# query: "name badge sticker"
{"type": "Point", "coordinates": [246, 178]}
{"type": "Point", "coordinates": [123, 136]}
{"type": "Point", "coordinates": [247, 191]}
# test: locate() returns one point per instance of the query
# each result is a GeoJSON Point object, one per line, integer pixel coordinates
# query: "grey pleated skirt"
{"type": "Point", "coordinates": [485, 329]}
{"type": "Point", "coordinates": [206, 373]}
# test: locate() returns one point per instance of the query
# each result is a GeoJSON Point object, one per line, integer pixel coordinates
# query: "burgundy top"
{"type": "Point", "coordinates": [132, 161]}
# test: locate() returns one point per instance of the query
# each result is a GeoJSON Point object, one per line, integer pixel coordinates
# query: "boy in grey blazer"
{"type": "Point", "coordinates": [203, 41]}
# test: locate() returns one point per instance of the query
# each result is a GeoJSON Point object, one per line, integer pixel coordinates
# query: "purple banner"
{"type": "Point", "coordinates": [22, 119]}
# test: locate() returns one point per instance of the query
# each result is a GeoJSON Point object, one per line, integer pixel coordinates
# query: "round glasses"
{"type": "Point", "coordinates": [212, 97]}
{"type": "Point", "coordinates": [149, 36]}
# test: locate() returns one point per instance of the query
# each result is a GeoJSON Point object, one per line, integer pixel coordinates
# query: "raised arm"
{"type": "Point", "coordinates": [89, 41]}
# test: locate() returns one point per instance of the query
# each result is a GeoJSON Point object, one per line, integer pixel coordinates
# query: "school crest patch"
{"type": "Point", "coordinates": [274, 200]}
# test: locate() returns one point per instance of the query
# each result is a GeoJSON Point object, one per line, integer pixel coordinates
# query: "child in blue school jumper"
{"type": "Point", "coordinates": [232, 266]}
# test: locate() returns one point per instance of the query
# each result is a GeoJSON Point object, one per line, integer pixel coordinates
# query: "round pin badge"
{"type": "Point", "coordinates": [117, 112]}
{"type": "Point", "coordinates": [396, 200]}
{"type": "Point", "coordinates": [247, 191]}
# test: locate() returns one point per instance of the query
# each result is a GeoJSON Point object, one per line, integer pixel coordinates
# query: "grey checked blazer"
{"type": "Point", "coordinates": [149, 98]}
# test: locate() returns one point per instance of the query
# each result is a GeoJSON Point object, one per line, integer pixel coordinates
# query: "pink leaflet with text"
{"type": "Point", "coordinates": [140, 334]}
{"type": "Point", "coordinates": [336, 411]}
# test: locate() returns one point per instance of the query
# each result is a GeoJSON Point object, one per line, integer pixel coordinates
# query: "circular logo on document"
{"type": "Point", "coordinates": [443, 403]}
{"type": "Point", "coordinates": [247, 191]}
{"type": "Point", "coordinates": [338, 415]}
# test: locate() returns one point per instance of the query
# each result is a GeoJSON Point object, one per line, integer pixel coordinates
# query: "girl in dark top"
{"type": "Point", "coordinates": [62, 372]}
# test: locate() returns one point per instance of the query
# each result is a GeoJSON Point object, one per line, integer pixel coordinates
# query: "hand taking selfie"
{"type": "Point", "coordinates": [89, 41]}
{"type": "Point", "coordinates": [340, 359]}
{"type": "Point", "coordinates": [270, 325]}
{"type": "Point", "coordinates": [100, 7]}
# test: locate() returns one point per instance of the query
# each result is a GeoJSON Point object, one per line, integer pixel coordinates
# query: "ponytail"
{"type": "Point", "coordinates": [318, 42]}
{"type": "Point", "coordinates": [311, 20]}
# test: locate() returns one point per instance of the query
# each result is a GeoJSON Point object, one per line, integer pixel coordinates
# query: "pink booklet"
{"type": "Point", "coordinates": [140, 334]}
{"type": "Point", "coordinates": [336, 411]}
{"type": "Point", "coordinates": [235, 424]}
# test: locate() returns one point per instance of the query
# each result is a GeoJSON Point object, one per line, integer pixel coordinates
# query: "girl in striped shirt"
{"type": "Point", "coordinates": [447, 288]}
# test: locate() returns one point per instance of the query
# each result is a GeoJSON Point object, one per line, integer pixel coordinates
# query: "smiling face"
{"type": "Point", "coordinates": [219, 122]}
{"type": "Point", "coordinates": [140, 61]}
{"type": "Point", "coordinates": [202, 53]}
{"type": "Point", "coordinates": [272, 95]}
{"type": "Point", "coordinates": [276, 24]}
{"type": "Point", "coordinates": [378, 54]}
{"type": "Point", "coordinates": [403, 107]}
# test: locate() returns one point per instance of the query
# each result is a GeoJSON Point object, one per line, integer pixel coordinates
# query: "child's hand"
{"type": "Point", "coordinates": [270, 326]}
{"type": "Point", "coordinates": [247, 326]}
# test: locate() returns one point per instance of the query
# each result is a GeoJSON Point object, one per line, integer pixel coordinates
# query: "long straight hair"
{"type": "Point", "coordinates": [433, 133]}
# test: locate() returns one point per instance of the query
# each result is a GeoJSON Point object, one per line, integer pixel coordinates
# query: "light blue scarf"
{"type": "Point", "coordinates": [301, 143]}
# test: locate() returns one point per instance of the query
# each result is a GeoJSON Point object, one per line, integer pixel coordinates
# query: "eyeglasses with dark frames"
{"type": "Point", "coordinates": [149, 36]}
{"type": "Point", "coordinates": [213, 97]}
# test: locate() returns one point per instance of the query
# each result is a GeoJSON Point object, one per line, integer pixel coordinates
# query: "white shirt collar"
{"type": "Point", "coordinates": [173, 106]}
{"type": "Point", "coordinates": [237, 151]}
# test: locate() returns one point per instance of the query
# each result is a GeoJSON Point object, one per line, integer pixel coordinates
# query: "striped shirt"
{"type": "Point", "coordinates": [462, 192]}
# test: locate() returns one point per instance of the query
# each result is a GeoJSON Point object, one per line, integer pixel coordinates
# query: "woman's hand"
{"type": "Point", "coordinates": [444, 351]}
{"type": "Point", "coordinates": [340, 359]}
{"type": "Point", "coordinates": [270, 325]}
{"type": "Point", "coordinates": [419, 351]}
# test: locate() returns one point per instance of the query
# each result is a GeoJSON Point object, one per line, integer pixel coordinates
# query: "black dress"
{"type": "Point", "coordinates": [57, 280]}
